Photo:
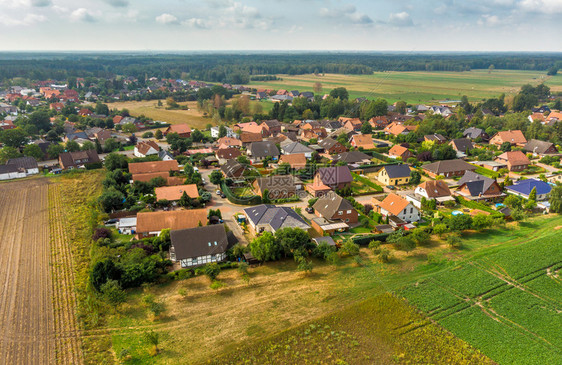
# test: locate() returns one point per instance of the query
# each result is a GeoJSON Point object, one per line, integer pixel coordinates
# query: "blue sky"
{"type": "Point", "coordinates": [402, 25]}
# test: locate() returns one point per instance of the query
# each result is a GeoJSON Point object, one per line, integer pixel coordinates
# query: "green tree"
{"type": "Point", "coordinates": [339, 93]}
{"type": "Point", "coordinates": [405, 243]}
{"type": "Point", "coordinates": [72, 146]}
{"type": "Point", "coordinates": [111, 199]}
{"type": "Point", "coordinates": [158, 134]}
{"type": "Point", "coordinates": [88, 146]}
{"type": "Point", "coordinates": [454, 240]}
{"type": "Point", "coordinates": [440, 229]}
{"type": "Point", "coordinates": [129, 128]}
{"type": "Point", "coordinates": [265, 197]}
{"type": "Point", "coordinates": [555, 199]}
{"type": "Point", "coordinates": [415, 177]}
{"type": "Point", "coordinates": [54, 150]}
{"type": "Point", "coordinates": [212, 270]}
{"type": "Point", "coordinates": [197, 135]}
{"type": "Point", "coordinates": [33, 150]}
{"type": "Point", "coordinates": [265, 247]}
{"type": "Point", "coordinates": [460, 222]}
{"type": "Point", "coordinates": [101, 109]}
{"type": "Point", "coordinates": [513, 202]}
{"type": "Point", "coordinates": [7, 153]}
{"type": "Point", "coordinates": [185, 200]}
{"type": "Point", "coordinates": [216, 177]}
{"type": "Point", "coordinates": [349, 248]}
{"type": "Point", "coordinates": [113, 293]}
{"type": "Point", "coordinates": [292, 240]}
{"type": "Point", "coordinates": [13, 137]}
{"type": "Point", "coordinates": [401, 107]}
{"type": "Point", "coordinates": [114, 161]}
{"type": "Point", "coordinates": [420, 236]}
{"type": "Point", "coordinates": [152, 338]}
{"type": "Point", "coordinates": [532, 195]}
{"type": "Point", "coordinates": [222, 131]}
{"type": "Point", "coordinates": [481, 221]}
{"type": "Point", "coordinates": [366, 128]}
{"type": "Point", "coordinates": [111, 144]}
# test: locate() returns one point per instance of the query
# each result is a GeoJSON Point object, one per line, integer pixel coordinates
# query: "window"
{"type": "Point", "coordinates": [347, 220]}
{"type": "Point", "coordinates": [405, 211]}
{"type": "Point", "coordinates": [411, 210]}
{"type": "Point", "coordinates": [340, 212]}
{"type": "Point", "coordinates": [349, 212]}
{"type": "Point", "coordinates": [213, 257]}
{"type": "Point", "coordinates": [194, 261]}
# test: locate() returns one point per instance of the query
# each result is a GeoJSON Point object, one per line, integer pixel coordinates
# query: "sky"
{"type": "Point", "coordinates": [309, 25]}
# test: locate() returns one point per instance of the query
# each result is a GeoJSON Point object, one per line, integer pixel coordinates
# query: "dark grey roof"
{"type": "Point", "coordinates": [282, 184]}
{"type": "Point", "coordinates": [435, 137]}
{"type": "Point", "coordinates": [352, 157]}
{"type": "Point", "coordinates": [331, 124]}
{"type": "Point", "coordinates": [327, 143]}
{"type": "Point", "coordinates": [444, 166]}
{"type": "Point", "coordinates": [330, 204]}
{"type": "Point", "coordinates": [231, 167]}
{"type": "Point", "coordinates": [23, 162]}
{"type": "Point", "coordinates": [199, 241]}
{"type": "Point", "coordinates": [296, 147]}
{"type": "Point", "coordinates": [462, 144]}
{"type": "Point", "coordinates": [272, 123]}
{"type": "Point", "coordinates": [73, 136]}
{"type": "Point", "coordinates": [476, 184]}
{"type": "Point", "coordinates": [263, 149]}
{"type": "Point", "coordinates": [276, 217]}
{"type": "Point", "coordinates": [162, 154]}
{"type": "Point", "coordinates": [396, 171]}
{"type": "Point", "coordinates": [6, 169]}
{"type": "Point", "coordinates": [473, 132]}
{"type": "Point", "coordinates": [335, 175]}
{"type": "Point", "coordinates": [328, 240]}
{"type": "Point", "coordinates": [536, 146]}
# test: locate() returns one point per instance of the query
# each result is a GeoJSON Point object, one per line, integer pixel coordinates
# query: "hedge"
{"type": "Point", "coordinates": [253, 200]}
{"type": "Point", "coordinates": [364, 240]}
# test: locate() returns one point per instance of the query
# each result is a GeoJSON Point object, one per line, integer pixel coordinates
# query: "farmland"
{"type": "Point", "coordinates": [193, 117]}
{"type": "Point", "coordinates": [419, 87]}
{"type": "Point", "coordinates": [506, 301]}
{"type": "Point", "coordinates": [37, 314]}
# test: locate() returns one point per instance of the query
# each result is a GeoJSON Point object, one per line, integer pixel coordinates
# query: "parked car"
{"type": "Point", "coordinates": [111, 222]}
{"type": "Point", "coordinates": [390, 187]}
{"type": "Point", "coordinates": [218, 192]}
{"type": "Point", "coordinates": [309, 210]}
{"type": "Point", "coordinates": [222, 195]}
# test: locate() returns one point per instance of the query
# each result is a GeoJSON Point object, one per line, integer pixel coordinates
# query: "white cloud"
{"type": "Point", "coordinates": [489, 20]}
{"type": "Point", "coordinates": [541, 6]}
{"type": "Point", "coordinates": [29, 19]}
{"type": "Point", "coordinates": [167, 19]}
{"type": "Point", "coordinates": [402, 19]}
{"type": "Point", "coordinates": [82, 15]}
{"type": "Point", "coordinates": [196, 23]}
{"type": "Point", "coordinates": [347, 13]}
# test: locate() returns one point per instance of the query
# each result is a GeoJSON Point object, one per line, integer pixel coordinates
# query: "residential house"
{"type": "Point", "coordinates": [174, 193]}
{"type": "Point", "coordinates": [146, 148]}
{"type": "Point", "coordinates": [227, 142]}
{"type": "Point", "coordinates": [282, 92]}
{"type": "Point", "coordinates": [261, 95]}
{"type": "Point", "coordinates": [540, 148]}
{"type": "Point", "coordinates": [461, 145]}
{"type": "Point", "coordinates": [150, 224]}
{"type": "Point", "coordinates": [258, 151]}
{"type": "Point", "coordinates": [475, 133]}
{"type": "Point", "coordinates": [165, 156]}
{"type": "Point", "coordinates": [398, 151]}
{"type": "Point", "coordinates": [327, 228]}
{"type": "Point", "coordinates": [364, 141]}
{"type": "Point", "coordinates": [292, 148]}
{"type": "Point", "coordinates": [515, 138]}
{"type": "Point", "coordinates": [398, 206]}
{"type": "Point", "coordinates": [278, 187]}
{"type": "Point", "coordinates": [397, 129]}
{"type": "Point", "coordinates": [335, 208]}
{"type": "Point", "coordinates": [6, 124]}
{"type": "Point", "coordinates": [328, 179]}
{"type": "Point", "coordinates": [28, 164]}
{"type": "Point", "coordinates": [331, 125]}
{"type": "Point", "coordinates": [515, 160]}
{"type": "Point", "coordinates": [271, 127]}
{"type": "Point", "coordinates": [247, 138]}
{"type": "Point", "coordinates": [127, 225]}
{"type": "Point", "coordinates": [270, 218]}
{"type": "Point", "coordinates": [553, 117]}
{"type": "Point", "coordinates": [78, 159]}
{"type": "Point", "coordinates": [448, 168]}
{"type": "Point", "coordinates": [297, 161]}
{"type": "Point", "coordinates": [11, 171]}
{"type": "Point", "coordinates": [332, 146]}
{"type": "Point", "coordinates": [394, 174]}
{"type": "Point", "coordinates": [379, 122]}
{"type": "Point", "coordinates": [441, 110]}
{"type": "Point", "coordinates": [436, 137]}
{"type": "Point", "coordinates": [353, 158]}
{"type": "Point", "coordinates": [315, 133]}
{"type": "Point", "coordinates": [225, 154]}
{"type": "Point", "coordinates": [352, 124]}
{"type": "Point", "coordinates": [232, 169]}
{"type": "Point", "coordinates": [183, 130]}
{"type": "Point", "coordinates": [432, 189]}
{"type": "Point", "coordinates": [523, 189]}
{"type": "Point", "coordinates": [477, 187]}
{"type": "Point", "coordinates": [537, 117]}
{"type": "Point", "coordinates": [215, 131]}
{"type": "Point", "coordinates": [163, 168]}
{"type": "Point", "coordinates": [200, 245]}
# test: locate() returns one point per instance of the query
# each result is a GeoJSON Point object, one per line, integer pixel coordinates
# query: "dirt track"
{"type": "Point", "coordinates": [37, 317]}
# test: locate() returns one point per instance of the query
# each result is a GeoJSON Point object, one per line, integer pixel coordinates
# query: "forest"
{"type": "Point", "coordinates": [238, 68]}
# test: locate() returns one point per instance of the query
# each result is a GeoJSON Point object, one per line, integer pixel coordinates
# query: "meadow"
{"type": "Point", "coordinates": [419, 87]}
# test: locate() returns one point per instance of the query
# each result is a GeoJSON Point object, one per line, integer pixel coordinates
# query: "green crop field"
{"type": "Point", "coordinates": [507, 301]}
{"type": "Point", "coordinates": [419, 87]}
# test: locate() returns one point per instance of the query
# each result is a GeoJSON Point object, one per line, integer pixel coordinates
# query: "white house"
{"type": "Point", "coordinates": [229, 132]}
{"type": "Point", "coordinates": [28, 164]}
{"type": "Point", "coordinates": [400, 207]}
{"type": "Point", "coordinates": [146, 148]}
{"type": "Point", "coordinates": [8, 172]}
{"type": "Point", "coordinates": [127, 225]}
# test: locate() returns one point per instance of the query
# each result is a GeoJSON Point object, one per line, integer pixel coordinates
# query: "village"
{"type": "Point", "coordinates": [340, 180]}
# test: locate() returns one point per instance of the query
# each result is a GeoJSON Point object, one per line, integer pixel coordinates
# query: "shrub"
{"type": "Point", "coordinates": [212, 270]}
{"type": "Point", "coordinates": [385, 255]}
{"type": "Point", "coordinates": [217, 284]}
{"type": "Point", "coordinates": [349, 248]}
{"type": "Point", "coordinates": [454, 240]}
{"type": "Point", "coordinates": [375, 246]}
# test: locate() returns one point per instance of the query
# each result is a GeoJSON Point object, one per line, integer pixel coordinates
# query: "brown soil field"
{"type": "Point", "coordinates": [37, 315]}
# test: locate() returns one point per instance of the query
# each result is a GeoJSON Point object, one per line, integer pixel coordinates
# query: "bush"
{"type": "Point", "coordinates": [349, 248]}
{"type": "Point", "coordinates": [385, 255]}
{"type": "Point", "coordinates": [101, 233]}
{"type": "Point", "coordinates": [454, 240]}
{"type": "Point", "coordinates": [212, 270]}
{"type": "Point", "coordinates": [366, 239]}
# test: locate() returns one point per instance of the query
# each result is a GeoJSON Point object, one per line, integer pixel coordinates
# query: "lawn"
{"type": "Point", "coordinates": [419, 87]}
{"type": "Point", "coordinates": [193, 117]}
{"type": "Point", "coordinates": [487, 172]}
{"type": "Point", "coordinates": [506, 300]}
